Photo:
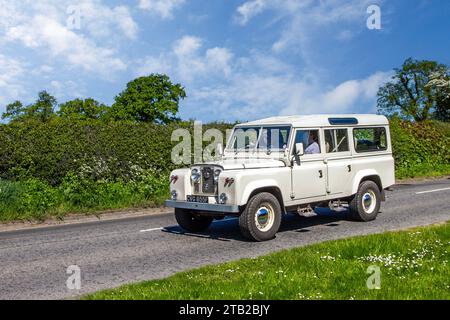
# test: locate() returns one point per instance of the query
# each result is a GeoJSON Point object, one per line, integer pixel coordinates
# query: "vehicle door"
{"type": "Point", "coordinates": [309, 172]}
{"type": "Point", "coordinates": [338, 158]}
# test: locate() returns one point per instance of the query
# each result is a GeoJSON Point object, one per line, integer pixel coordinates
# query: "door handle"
{"type": "Point", "coordinates": [320, 174]}
{"type": "Point", "coordinates": [349, 168]}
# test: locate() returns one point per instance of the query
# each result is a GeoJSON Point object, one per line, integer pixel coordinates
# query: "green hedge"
{"type": "Point", "coordinates": [113, 151]}
{"type": "Point", "coordinates": [420, 149]}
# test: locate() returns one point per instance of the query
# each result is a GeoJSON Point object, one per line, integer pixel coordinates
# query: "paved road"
{"type": "Point", "coordinates": [33, 263]}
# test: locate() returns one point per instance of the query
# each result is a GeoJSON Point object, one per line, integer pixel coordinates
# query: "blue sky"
{"type": "Point", "coordinates": [238, 59]}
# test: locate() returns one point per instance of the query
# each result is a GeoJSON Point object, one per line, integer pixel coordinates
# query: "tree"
{"type": "Point", "coordinates": [79, 109]}
{"type": "Point", "coordinates": [42, 109]}
{"type": "Point", "coordinates": [14, 111]}
{"type": "Point", "coordinates": [153, 98]}
{"type": "Point", "coordinates": [411, 93]}
{"type": "Point", "coordinates": [440, 82]}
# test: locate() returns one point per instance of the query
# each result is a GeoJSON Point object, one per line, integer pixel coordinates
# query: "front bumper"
{"type": "Point", "coordinates": [202, 206]}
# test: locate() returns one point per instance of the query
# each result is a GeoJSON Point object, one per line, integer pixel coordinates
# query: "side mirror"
{"type": "Point", "coordinates": [219, 150]}
{"type": "Point", "coordinates": [299, 149]}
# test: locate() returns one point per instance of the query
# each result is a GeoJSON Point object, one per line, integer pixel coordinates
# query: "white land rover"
{"type": "Point", "coordinates": [288, 164]}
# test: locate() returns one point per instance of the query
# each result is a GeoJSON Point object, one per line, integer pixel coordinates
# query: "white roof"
{"type": "Point", "coordinates": [321, 120]}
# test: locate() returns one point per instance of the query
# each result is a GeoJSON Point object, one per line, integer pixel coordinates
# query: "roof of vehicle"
{"type": "Point", "coordinates": [322, 120]}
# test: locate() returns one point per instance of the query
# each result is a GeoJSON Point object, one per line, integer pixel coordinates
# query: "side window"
{"type": "Point", "coordinates": [336, 140]}
{"type": "Point", "coordinates": [310, 140]}
{"type": "Point", "coordinates": [370, 139]}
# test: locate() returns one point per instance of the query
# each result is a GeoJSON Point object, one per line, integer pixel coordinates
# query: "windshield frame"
{"type": "Point", "coordinates": [260, 129]}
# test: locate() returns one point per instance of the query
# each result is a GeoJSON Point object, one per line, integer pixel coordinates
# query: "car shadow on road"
{"type": "Point", "coordinates": [228, 229]}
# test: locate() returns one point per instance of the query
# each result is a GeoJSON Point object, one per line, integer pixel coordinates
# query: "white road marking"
{"type": "Point", "coordinates": [161, 228]}
{"type": "Point", "coordinates": [149, 230]}
{"type": "Point", "coordinates": [429, 191]}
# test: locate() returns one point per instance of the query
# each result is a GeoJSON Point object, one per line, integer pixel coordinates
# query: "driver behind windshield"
{"type": "Point", "coordinates": [313, 145]}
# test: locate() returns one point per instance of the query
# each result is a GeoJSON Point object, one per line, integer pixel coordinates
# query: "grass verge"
{"type": "Point", "coordinates": [36, 200]}
{"type": "Point", "coordinates": [414, 264]}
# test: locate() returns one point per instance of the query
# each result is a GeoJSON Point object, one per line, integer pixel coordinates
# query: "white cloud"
{"type": "Point", "coordinates": [163, 8]}
{"type": "Point", "coordinates": [67, 89]}
{"type": "Point", "coordinates": [345, 97]}
{"type": "Point", "coordinates": [303, 21]}
{"type": "Point", "coordinates": [188, 61]}
{"type": "Point", "coordinates": [187, 46]}
{"type": "Point", "coordinates": [249, 9]}
{"type": "Point", "coordinates": [44, 32]}
{"type": "Point", "coordinates": [102, 21]}
{"type": "Point", "coordinates": [11, 74]}
{"type": "Point", "coordinates": [42, 26]}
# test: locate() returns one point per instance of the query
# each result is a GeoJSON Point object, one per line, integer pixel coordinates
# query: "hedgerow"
{"type": "Point", "coordinates": [98, 150]}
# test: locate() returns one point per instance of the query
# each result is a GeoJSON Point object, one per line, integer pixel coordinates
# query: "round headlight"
{"type": "Point", "coordinates": [195, 176]}
{"type": "Point", "coordinates": [216, 175]}
{"type": "Point", "coordinates": [223, 198]}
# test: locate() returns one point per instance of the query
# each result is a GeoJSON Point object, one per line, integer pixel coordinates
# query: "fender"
{"type": "Point", "coordinates": [360, 175]}
{"type": "Point", "coordinates": [250, 187]}
{"type": "Point", "coordinates": [182, 184]}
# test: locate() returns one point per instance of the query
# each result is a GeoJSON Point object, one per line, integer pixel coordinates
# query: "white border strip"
{"type": "Point", "coordinates": [430, 191]}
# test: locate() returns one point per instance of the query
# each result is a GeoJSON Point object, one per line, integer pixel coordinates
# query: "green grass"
{"type": "Point", "coordinates": [36, 200]}
{"type": "Point", "coordinates": [414, 264]}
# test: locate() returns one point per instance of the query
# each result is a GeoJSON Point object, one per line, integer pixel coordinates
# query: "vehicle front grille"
{"type": "Point", "coordinates": [208, 180]}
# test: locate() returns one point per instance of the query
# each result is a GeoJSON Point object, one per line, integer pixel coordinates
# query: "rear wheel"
{"type": "Point", "coordinates": [192, 222]}
{"type": "Point", "coordinates": [365, 205]}
{"type": "Point", "coordinates": [261, 218]}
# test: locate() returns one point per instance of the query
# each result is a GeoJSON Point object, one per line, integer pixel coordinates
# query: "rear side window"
{"type": "Point", "coordinates": [370, 139]}
{"type": "Point", "coordinates": [336, 140]}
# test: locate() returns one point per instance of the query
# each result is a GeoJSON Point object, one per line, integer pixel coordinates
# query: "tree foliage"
{"type": "Point", "coordinates": [43, 109]}
{"type": "Point", "coordinates": [418, 91]}
{"type": "Point", "coordinates": [83, 109]}
{"type": "Point", "coordinates": [153, 98]}
{"type": "Point", "coordinates": [440, 83]}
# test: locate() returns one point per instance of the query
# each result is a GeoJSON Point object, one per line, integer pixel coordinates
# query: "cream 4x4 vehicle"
{"type": "Point", "coordinates": [288, 164]}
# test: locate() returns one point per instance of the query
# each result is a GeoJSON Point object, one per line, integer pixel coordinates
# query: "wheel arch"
{"type": "Point", "coordinates": [274, 190]}
{"type": "Point", "coordinates": [367, 175]}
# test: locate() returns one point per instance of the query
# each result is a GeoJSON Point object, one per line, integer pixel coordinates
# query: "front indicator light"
{"type": "Point", "coordinates": [223, 198]}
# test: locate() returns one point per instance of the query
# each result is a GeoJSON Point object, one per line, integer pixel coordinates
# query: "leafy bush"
{"type": "Point", "coordinates": [110, 151]}
{"type": "Point", "coordinates": [420, 149]}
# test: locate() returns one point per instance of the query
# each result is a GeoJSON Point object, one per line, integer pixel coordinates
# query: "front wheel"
{"type": "Point", "coordinates": [261, 218]}
{"type": "Point", "coordinates": [189, 221]}
{"type": "Point", "coordinates": [366, 203]}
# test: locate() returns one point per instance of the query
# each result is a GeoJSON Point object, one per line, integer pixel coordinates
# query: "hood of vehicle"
{"type": "Point", "coordinates": [233, 164]}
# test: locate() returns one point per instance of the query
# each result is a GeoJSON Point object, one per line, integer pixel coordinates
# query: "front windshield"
{"type": "Point", "coordinates": [266, 138]}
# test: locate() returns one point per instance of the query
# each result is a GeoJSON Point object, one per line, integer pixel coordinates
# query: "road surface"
{"type": "Point", "coordinates": [111, 253]}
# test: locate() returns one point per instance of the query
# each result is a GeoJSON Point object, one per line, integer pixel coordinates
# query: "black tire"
{"type": "Point", "coordinates": [189, 221]}
{"type": "Point", "coordinates": [365, 205]}
{"type": "Point", "coordinates": [262, 205]}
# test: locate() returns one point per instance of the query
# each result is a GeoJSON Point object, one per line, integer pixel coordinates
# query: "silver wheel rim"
{"type": "Point", "coordinates": [369, 201]}
{"type": "Point", "coordinates": [264, 218]}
